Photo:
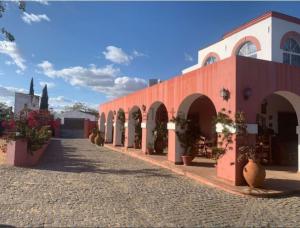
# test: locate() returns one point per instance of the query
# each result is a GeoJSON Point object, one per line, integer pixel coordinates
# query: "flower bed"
{"type": "Point", "coordinates": [27, 136]}
{"type": "Point", "coordinates": [17, 153]}
{"type": "Point", "coordinates": [3, 148]}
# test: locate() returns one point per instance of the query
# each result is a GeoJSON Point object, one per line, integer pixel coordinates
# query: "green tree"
{"type": "Point", "coordinates": [44, 100]}
{"type": "Point", "coordinates": [7, 35]}
{"type": "Point", "coordinates": [5, 113]}
{"type": "Point", "coordinates": [31, 90]}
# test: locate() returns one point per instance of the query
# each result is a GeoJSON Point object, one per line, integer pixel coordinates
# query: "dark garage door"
{"type": "Point", "coordinates": [73, 128]}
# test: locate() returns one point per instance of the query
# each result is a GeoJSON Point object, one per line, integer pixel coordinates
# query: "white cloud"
{"type": "Point", "coordinates": [43, 2]}
{"type": "Point", "coordinates": [105, 80]}
{"type": "Point", "coordinates": [11, 49]}
{"type": "Point", "coordinates": [8, 63]}
{"type": "Point", "coordinates": [29, 18]}
{"type": "Point", "coordinates": [60, 102]}
{"type": "Point", "coordinates": [7, 94]}
{"type": "Point", "coordinates": [19, 72]}
{"type": "Point", "coordinates": [188, 57]}
{"type": "Point", "coordinates": [117, 55]}
{"type": "Point", "coordinates": [49, 84]}
{"type": "Point", "coordinates": [138, 54]}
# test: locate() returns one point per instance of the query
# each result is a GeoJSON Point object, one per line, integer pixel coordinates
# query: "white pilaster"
{"type": "Point", "coordinates": [143, 125]}
{"type": "Point", "coordinates": [171, 126]}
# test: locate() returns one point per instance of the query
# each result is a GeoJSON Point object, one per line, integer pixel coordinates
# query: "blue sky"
{"type": "Point", "coordinates": [95, 51]}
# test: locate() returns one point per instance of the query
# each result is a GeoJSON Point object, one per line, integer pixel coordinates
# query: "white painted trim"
{"type": "Point", "coordinates": [298, 130]}
{"type": "Point", "coordinates": [171, 126]}
{"type": "Point", "coordinates": [143, 125]}
{"type": "Point", "coordinates": [126, 124]}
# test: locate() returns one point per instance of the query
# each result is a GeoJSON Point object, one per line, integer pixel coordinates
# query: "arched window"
{"type": "Point", "coordinates": [291, 52]}
{"type": "Point", "coordinates": [210, 60]}
{"type": "Point", "coordinates": [248, 49]}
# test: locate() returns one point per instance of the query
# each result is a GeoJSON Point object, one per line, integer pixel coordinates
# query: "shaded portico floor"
{"type": "Point", "coordinates": [279, 180]}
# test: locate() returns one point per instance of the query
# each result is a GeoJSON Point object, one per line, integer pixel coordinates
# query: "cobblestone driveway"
{"type": "Point", "coordinates": [78, 184]}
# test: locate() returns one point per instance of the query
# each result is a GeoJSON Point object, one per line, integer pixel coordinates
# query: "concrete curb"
{"type": "Point", "coordinates": [205, 181]}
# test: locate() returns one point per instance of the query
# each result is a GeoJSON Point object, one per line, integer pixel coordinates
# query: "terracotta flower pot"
{"type": "Point", "coordinates": [137, 145]}
{"type": "Point", "coordinates": [150, 150]}
{"type": "Point", "coordinates": [99, 140]}
{"type": "Point", "coordinates": [187, 159]}
{"type": "Point", "coordinates": [254, 174]}
{"type": "Point", "coordinates": [92, 138]}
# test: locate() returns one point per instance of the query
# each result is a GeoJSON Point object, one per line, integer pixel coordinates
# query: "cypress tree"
{"type": "Point", "coordinates": [44, 99]}
{"type": "Point", "coordinates": [31, 90]}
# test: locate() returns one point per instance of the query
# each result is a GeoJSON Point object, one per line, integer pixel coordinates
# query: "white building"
{"type": "Point", "coordinates": [23, 100]}
{"type": "Point", "coordinates": [262, 38]}
{"type": "Point", "coordinates": [75, 115]}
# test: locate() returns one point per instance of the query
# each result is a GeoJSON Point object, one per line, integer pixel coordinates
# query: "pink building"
{"type": "Point", "coordinates": [258, 63]}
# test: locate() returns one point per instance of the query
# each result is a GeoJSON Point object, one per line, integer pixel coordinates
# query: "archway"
{"type": "Point", "coordinates": [120, 128]}
{"type": "Point", "coordinates": [109, 128]}
{"type": "Point", "coordinates": [102, 123]}
{"type": "Point", "coordinates": [157, 132]}
{"type": "Point", "coordinates": [200, 111]}
{"type": "Point", "coordinates": [277, 119]}
{"type": "Point", "coordinates": [134, 128]}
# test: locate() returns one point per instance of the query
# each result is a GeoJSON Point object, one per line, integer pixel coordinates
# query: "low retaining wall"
{"type": "Point", "coordinates": [17, 154]}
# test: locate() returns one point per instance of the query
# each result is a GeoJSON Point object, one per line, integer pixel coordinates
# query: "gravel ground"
{"type": "Point", "coordinates": [78, 184]}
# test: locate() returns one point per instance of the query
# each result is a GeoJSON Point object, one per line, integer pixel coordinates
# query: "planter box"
{"type": "Point", "coordinates": [17, 154]}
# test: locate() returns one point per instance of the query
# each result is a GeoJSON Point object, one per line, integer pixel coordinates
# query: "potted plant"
{"type": "Point", "coordinates": [138, 130]}
{"type": "Point", "coordinates": [93, 135]}
{"type": "Point", "coordinates": [160, 134]}
{"type": "Point", "coordinates": [137, 141]}
{"type": "Point", "coordinates": [121, 119]}
{"type": "Point", "coordinates": [188, 133]}
{"type": "Point", "coordinates": [150, 148]}
{"type": "Point", "coordinates": [225, 132]}
{"type": "Point", "coordinates": [253, 172]}
{"type": "Point", "coordinates": [99, 139]}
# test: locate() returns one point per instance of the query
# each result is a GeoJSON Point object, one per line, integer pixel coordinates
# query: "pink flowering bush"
{"type": "Point", "coordinates": [33, 126]}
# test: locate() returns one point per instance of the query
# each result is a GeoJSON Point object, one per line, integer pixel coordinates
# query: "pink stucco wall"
{"type": "Point", "coordinates": [18, 155]}
{"type": "Point", "coordinates": [235, 74]}
{"type": "Point", "coordinates": [88, 127]}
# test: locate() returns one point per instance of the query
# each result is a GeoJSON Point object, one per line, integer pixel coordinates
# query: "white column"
{"type": "Point", "coordinates": [174, 148]}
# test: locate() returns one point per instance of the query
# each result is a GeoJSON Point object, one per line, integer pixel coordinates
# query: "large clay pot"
{"type": "Point", "coordinates": [150, 151]}
{"type": "Point", "coordinates": [254, 174]}
{"type": "Point", "coordinates": [99, 140]}
{"type": "Point", "coordinates": [92, 137]}
{"type": "Point", "coordinates": [187, 159]}
{"type": "Point", "coordinates": [137, 145]}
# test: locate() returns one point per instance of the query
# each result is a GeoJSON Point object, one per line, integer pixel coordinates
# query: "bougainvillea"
{"type": "Point", "coordinates": [34, 126]}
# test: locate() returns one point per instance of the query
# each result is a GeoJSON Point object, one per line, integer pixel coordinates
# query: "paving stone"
{"type": "Point", "coordinates": [77, 184]}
